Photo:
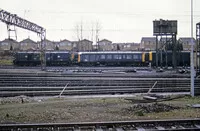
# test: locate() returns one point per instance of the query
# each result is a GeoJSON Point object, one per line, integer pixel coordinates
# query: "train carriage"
{"type": "Point", "coordinates": [58, 58]}
{"type": "Point", "coordinates": [111, 58]}
{"type": "Point", "coordinates": [198, 63]}
{"type": "Point", "coordinates": [182, 58]}
{"type": "Point", "coordinates": [24, 58]}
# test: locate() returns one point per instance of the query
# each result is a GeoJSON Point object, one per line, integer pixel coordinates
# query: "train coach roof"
{"type": "Point", "coordinates": [40, 52]}
{"type": "Point", "coordinates": [57, 51]}
{"type": "Point", "coordinates": [28, 52]}
{"type": "Point", "coordinates": [169, 51]}
{"type": "Point", "coordinates": [112, 52]}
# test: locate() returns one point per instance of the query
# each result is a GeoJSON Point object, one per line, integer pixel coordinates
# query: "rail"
{"type": "Point", "coordinates": [166, 125]}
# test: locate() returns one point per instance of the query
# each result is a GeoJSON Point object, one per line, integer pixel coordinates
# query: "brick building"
{"type": "Point", "coordinates": [49, 45]}
{"type": "Point", "coordinates": [186, 43]}
{"type": "Point", "coordinates": [28, 44]}
{"type": "Point", "coordinates": [104, 45]}
{"type": "Point", "coordinates": [64, 45]}
{"type": "Point", "coordinates": [148, 43]}
{"type": "Point", "coordinates": [9, 44]}
{"type": "Point", "coordinates": [126, 46]}
{"type": "Point", "coordinates": [84, 45]}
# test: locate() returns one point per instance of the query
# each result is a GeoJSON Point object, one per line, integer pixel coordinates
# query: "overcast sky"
{"type": "Point", "coordinates": [120, 20]}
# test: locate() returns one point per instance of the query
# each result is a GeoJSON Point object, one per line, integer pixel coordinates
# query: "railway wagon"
{"type": "Point", "coordinates": [197, 62]}
{"type": "Point", "coordinates": [58, 58]}
{"type": "Point", "coordinates": [183, 58]}
{"type": "Point", "coordinates": [30, 58]}
{"type": "Point", "coordinates": [111, 58]}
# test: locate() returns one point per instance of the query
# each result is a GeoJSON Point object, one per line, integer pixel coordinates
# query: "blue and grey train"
{"type": "Point", "coordinates": [105, 58]}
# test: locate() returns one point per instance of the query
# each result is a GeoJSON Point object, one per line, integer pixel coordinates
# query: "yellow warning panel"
{"type": "Point", "coordinates": [79, 58]}
{"type": "Point", "coordinates": [150, 56]}
{"type": "Point", "coordinates": [72, 56]}
{"type": "Point", "coordinates": [143, 57]}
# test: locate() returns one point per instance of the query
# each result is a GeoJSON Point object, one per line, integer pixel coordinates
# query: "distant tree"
{"type": "Point", "coordinates": [57, 48]}
{"type": "Point", "coordinates": [83, 30]}
{"type": "Point", "coordinates": [97, 32]}
{"type": "Point", "coordinates": [79, 31]}
{"type": "Point", "coordinates": [118, 47]}
{"type": "Point", "coordinates": [11, 48]}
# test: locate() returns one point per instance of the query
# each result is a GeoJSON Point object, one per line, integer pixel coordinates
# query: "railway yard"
{"type": "Point", "coordinates": [91, 98]}
{"type": "Point", "coordinates": [101, 79]}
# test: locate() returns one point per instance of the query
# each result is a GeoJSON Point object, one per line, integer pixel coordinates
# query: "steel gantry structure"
{"type": "Point", "coordinates": [13, 19]}
{"type": "Point", "coordinates": [198, 46]}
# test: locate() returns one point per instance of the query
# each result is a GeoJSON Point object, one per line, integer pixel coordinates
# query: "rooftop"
{"type": "Point", "coordinates": [151, 39]}
{"type": "Point", "coordinates": [28, 40]}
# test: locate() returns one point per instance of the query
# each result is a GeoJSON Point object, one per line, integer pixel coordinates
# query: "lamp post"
{"type": "Point", "coordinates": [191, 54]}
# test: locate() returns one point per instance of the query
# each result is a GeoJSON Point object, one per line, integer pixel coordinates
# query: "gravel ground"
{"type": "Point", "coordinates": [24, 109]}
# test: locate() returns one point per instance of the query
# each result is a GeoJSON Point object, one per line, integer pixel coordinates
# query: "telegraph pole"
{"type": "Point", "coordinates": [192, 54]}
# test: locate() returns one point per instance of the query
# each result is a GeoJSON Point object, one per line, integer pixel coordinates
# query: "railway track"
{"type": "Point", "coordinates": [96, 74]}
{"type": "Point", "coordinates": [142, 125]}
{"type": "Point", "coordinates": [48, 86]}
{"type": "Point", "coordinates": [128, 72]}
{"type": "Point", "coordinates": [73, 67]}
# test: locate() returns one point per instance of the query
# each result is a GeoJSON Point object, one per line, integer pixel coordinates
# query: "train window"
{"type": "Point", "coordinates": [140, 57]}
{"type": "Point", "coordinates": [115, 57]}
{"type": "Point", "coordinates": [128, 57]}
{"type": "Point", "coordinates": [109, 57]}
{"type": "Point", "coordinates": [97, 57]}
{"type": "Point", "coordinates": [119, 57]}
{"type": "Point", "coordinates": [103, 56]}
{"type": "Point", "coordinates": [86, 58]}
{"type": "Point", "coordinates": [135, 57]}
{"type": "Point", "coordinates": [92, 57]}
{"type": "Point", "coordinates": [123, 56]}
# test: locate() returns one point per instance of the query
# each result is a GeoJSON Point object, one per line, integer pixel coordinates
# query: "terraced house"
{"type": "Point", "coordinates": [65, 45]}
{"type": "Point", "coordinates": [28, 44]}
{"type": "Point", "coordinates": [49, 45]}
{"type": "Point", "coordinates": [9, 44]}
{"type": "Point", "coordinates": [148, 43]}
{"type": "Point", "coordinates": [186, 43]}
{"type": "Point", "coordinates": [126, 46]}
{"type": "Point", "coordinates": [104, 45]}
{"type": "Point", "coordinates": [84, 45]}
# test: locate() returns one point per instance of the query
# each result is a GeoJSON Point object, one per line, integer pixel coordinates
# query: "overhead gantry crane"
{"type": "Point", "coordinates": [14, 20]}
